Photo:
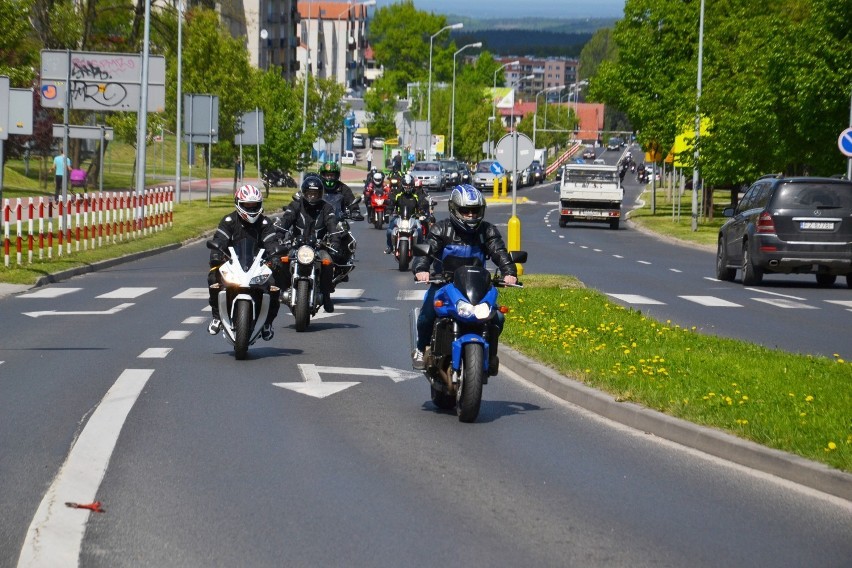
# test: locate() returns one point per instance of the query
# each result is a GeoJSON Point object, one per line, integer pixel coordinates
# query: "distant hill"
{"type": "Point", "coordinates": [536, 37]}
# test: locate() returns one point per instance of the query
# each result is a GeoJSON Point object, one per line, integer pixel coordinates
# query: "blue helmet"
{"type": "Point", "coordinates": [467, 207]}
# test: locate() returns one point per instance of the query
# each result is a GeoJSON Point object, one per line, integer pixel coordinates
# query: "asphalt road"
{"type": "Point", "coordinates": [215, 463]}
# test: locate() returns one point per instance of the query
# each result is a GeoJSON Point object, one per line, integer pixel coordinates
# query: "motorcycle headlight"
{"type": "Point", "coordinates": [468, 310]}
{"type": "Point", "coordinates": [305, 255]}
{"type": "Point", "coordinates": [379, 201]}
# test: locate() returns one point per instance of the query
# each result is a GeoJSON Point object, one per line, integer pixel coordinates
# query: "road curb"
{"type": "Point", "coordinates": [708, 440]}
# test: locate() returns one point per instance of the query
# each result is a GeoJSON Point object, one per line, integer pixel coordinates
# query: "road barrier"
{"type": "Point", "coordinates": [87, 220]}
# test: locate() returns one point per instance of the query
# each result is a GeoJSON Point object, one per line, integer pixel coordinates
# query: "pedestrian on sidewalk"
{"type": "Point", "coordinates": [369, 159]}
{"type": "Point", "coordinates": [61, 164]}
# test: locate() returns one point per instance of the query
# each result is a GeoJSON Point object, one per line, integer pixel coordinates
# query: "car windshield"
{"type": "Point", "coordinates": [483, 167]}
{"type": "Point", "coordinates": [425, 167]}
{"type": "Point", "coordinates": [814, 195]}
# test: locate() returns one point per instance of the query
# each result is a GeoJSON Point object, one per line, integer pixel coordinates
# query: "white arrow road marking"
{"type": "Point", "coordinates": [108, 312]}
{"type": "Point", "coordinates": [845, 303]}
{"type": "Point", "coordinates": [50, 293]}
{"type": "Point", "coordinates": [55, 535]}
{"type": "Point", "coordinates": [322, 314]}
{"type": "Point", "coordinates": [411, 294]}
{"type": "Point", "coordinates": [313, 385]}
{"type": "Point", "coordinates": [126, 293]}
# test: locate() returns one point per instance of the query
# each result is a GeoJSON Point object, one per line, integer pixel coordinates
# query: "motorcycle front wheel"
{"type": "Point", "coordinates": [404, 257]}
{"type": "Point", "coordinates": [378, 221]}
{"type": "Point", "coordinates": [242, 329]}
{"type": "Point", "coordinates": [302, 310]}
{"type": "Point", "coordinates": [470, 393]}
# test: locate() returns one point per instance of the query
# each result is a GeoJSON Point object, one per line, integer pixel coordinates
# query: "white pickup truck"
{"type": "Point", "coordinates": [590, 192]}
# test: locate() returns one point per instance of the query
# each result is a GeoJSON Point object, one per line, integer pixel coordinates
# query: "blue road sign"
{"type": "Point", "coordinates": [844, 142]}
{"type": "Point", "coordinates": [497, 169]}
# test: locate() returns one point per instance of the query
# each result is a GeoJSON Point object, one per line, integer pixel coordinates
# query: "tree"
{"type": "Point", "coordinates": [282, 105]}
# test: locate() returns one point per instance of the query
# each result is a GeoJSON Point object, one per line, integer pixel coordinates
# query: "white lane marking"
{"type": "Point", "coordinates": [194, 320]}
{"type": "Point", "coordinates": [155, 353]}
{"type": "Point", "coordinates": [193, 294]}
{"type": "Point", "coordinates": [126, 293]}
{"type": "Point", "coordinates": [56, 532]}
{"type": "Point", "coordinates": [711, 301]}
{"type": "Point", "coordinates": [597, 250]}
{"type": "Point", "coordinates": [176, 334]}
{"type": "Point", "coordinates": [411, 295]}
{"type": "Point", "coordinates": [775, 294]}
{"type": "Point", "coordinates": [617, 256]}
{"type": "Point", "coordinates": [322, 314]}
{"type": "Point", "coordinates": [844, 303]}
{"type": "Point", "coordinates": [347, 293]}
{"type": "Point", "coordinates": [108, 312]}
{"type": "Point", "coordinates": [50, 293]}
{"type": "Point", "coordinates": [643, 262]}
{"type": "Point", "coordinates": [785, 303]}
{"type": "Point", "coordinates": [675, 270]}
{"type": "Point", "coordinates": [635, 299]}
{"type": "Point", "coordinates": [583, 247]}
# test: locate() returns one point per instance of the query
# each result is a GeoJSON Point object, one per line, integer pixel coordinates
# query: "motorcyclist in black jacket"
{"type": "Point", "coordinates": [406, 198]}
{"type": "Point", "coordinates": [340, 196]}
{"type": "Point", "coordinates": [308, 217]}
{"type": "Point", "coordinates": [464, 234]}
{"type": "Point", "coordinates": [247, 222]}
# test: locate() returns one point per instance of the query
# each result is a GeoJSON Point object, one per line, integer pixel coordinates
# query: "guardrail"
{"type": "Point", "coordinates": [87, 220]}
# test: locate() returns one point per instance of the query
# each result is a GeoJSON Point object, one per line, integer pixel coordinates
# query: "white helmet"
{"type": "Point", "coordinates": [249, 202]}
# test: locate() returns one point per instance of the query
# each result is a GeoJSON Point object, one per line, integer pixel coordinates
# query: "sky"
{"type": "Point", "coordinates": [521, 8]}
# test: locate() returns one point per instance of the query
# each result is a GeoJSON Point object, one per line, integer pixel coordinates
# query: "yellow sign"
{"type": "Point", "coordinates": [682, 148]}
{"type": "Point", "coordinates": [438, 143]}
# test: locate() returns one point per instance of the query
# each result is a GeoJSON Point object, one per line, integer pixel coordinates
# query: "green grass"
{"type": "Point", "coordinates": [673, 218]}
{"type": "Point", "coordinates": [798, 404]}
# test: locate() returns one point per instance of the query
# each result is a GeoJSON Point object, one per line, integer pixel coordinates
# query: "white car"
{"type": "Point", "coordinates": [348, 158]}
{"type": "Point", "coordinates": [377, 142]}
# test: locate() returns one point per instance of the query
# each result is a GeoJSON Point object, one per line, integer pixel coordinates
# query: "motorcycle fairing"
{"type": "Point", "coordinates": [458, 349]}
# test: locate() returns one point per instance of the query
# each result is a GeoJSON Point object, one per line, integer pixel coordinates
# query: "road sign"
{"type": "Point", "coordinates": [250, 129]}
{"type": "Point", "coordinates": [21, 112]}
{"type": "Point", "coordinates": [83, 132]}
{"type": "Point", "coordinates": [844, 142]}
{"type": "Point", "coordinates": [4, 107]}
{"type": "Point", "coordinates": [201, 118]}
{"type": "Point", "coordinates": [497, 169]}
{"type": "Point", "coordinates": [101, 81]}
{"type": "Point", "coordinates": [506, 151]}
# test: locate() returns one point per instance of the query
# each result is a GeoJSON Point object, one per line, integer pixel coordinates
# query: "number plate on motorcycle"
{"type": "Point", "coordinates": [817, 225]}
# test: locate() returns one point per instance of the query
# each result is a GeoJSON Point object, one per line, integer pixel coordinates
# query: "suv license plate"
{"type": "Point", "coordinates": [817, 225]}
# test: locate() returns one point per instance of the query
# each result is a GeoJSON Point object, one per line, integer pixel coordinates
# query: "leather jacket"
{"type": "Point", "coordinates": [233, 229]}
{"type": "Point", "coordinates": [444, 239]}
{"type": "Point", "coordinates": [318, 220]}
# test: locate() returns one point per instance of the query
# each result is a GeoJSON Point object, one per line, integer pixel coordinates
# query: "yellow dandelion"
{"type": "Point", "coordinates": [809, 398]}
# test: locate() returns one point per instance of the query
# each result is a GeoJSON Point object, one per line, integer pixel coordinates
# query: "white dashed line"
{"type": "Point", "coordinates": [155, 353]}
{"type": "Point", "coordinates": [636, 299]}
{"type": "Point", "coordinates": [176, 334]}
{"type": "Point", "coordinates": [194, 320]}
{"type": "Point", "coordinates": [711, 301]}
{"type": "Point", "coordinates": [50, 293]}
{"type": "Point", "coordinates": [126, 293]}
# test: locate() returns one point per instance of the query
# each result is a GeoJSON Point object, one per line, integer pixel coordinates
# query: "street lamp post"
{"type": "Point", "coordinates": [494, 102]}
{"type": "Point", "coordinates": [697, 121]}
{"type": "Point", "coordinates": [307, 78]}
{"type": "Point", "coordinates": [457, 26]}
{"type": "Point", "coordinates": [180, 8]}
{"type": "Point", "coordinates": [453, 104]}
{"type": "Point", "coordinates": [535, 114]}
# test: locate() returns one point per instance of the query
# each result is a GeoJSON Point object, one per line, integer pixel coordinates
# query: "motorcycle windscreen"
{"type": "Point", "coordinates": [246, 249]}
{"type": "Point", "coordinates": [336, 201]}
{"type": "Point", "coordinates": [473, 281]}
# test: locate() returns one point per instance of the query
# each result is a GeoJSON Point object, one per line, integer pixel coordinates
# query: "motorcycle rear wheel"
{"type": "Point", "coordinates": [470, 393]}
{"type": "Point", "coordinates": [404, 257]}
{"type": "Point", "coordinates": [302, 311]}
{"type": "Point", "coordinates": [242, 329]}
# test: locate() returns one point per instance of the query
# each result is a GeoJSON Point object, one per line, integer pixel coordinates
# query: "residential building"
{"type": "Point", "coordinates": [271, 34]}
{"type": "Point", "coordinates": [548, 72]}
{"type": "Point", "coordinates": [334, 41]}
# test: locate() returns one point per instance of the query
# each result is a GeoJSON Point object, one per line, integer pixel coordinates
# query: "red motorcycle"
{"type": "Point", "coordinates": [378, 205]}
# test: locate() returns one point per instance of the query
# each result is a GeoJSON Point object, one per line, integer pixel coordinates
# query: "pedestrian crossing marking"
{"type": "Point", "coordinates": [50, 293]}
{"type": "Point", "coordinates": [347, 293]}
{"type": "Point", "coordinates": [155, 353]}
{"type": "Point", "coordinates": [176, 334]}
{"type": "Point", "coordinates": [193, 294]}
{"type": "Point", "coordinates": [194, 320]}
{"type": "Point", "coordinates": [411, 295]}
{"type": "Point", "coordinates": [126, 293]}
{"type": "Point", "coordinates": [711, 301]}
{"type": "Point", "coordinates": [785, 303]}
{"type": "Point", "coordinates": [636, 299]}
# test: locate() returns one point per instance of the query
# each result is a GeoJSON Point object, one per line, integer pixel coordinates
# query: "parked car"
{"type": "Point", "coordinates": [348, 158]}
{"type": "Point", "coordinates": [483, 177]}
{"type": "Point", "coordinates": [358, 141]}
{"type": "Point", "coordinates": [377, 142]}
{"type": "Point", "coordinates": [788, 225]}
{"type": "Point", "coordinates": [589, 153]}
{"type": "Point", "coordinates": [429, 173]}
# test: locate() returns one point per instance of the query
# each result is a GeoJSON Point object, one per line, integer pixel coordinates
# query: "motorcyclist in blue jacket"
{"type": "Point", "coordinates": [463, 234]}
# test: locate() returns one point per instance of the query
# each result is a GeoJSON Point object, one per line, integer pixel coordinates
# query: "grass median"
{"type": "Point", "coordinates": [796, 403]}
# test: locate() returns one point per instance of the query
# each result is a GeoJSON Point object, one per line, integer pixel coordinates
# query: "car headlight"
{"type": "Point", "coordinates": [305, 255]}
{"type": "Point", "coordinates": [468, 310]}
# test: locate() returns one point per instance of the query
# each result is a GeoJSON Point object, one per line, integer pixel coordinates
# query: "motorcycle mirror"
{"type": "Point", "coordinates": [212, 246]}
{"type": "Point", "coordinates": [519, 256]}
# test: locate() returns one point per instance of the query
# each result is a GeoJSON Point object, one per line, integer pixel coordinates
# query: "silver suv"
{"type": "Point", "coordinates": [789, 225]}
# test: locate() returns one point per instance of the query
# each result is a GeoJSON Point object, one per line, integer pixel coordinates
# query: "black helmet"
{"type": "Point", "coordinates": [467, 207]}
{"type": "Point", "coordinates": [312, 189]}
